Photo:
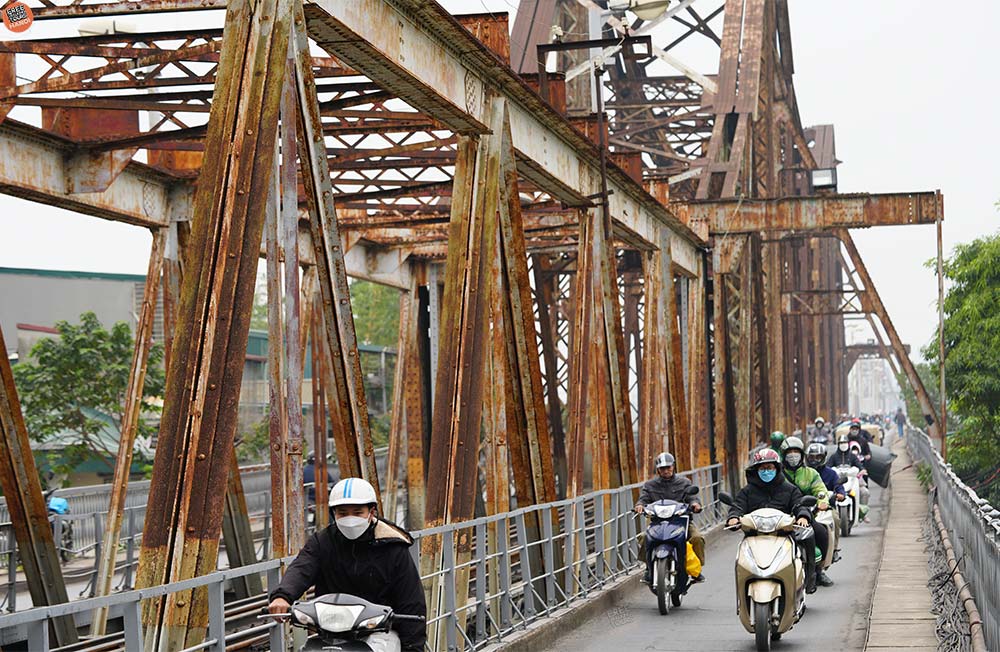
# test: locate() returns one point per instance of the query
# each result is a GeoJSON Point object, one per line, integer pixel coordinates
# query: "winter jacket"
{"type": "Point", "coordinates": [808, 480]}
{"type": "Point", "coordinates": [779, 494]}
{"type": "Point", "coordinates": [840, 458]}
{"type": "Point", "coordinates": [657, 488]}
{"type": "Point", "coordinates": [376, 566]}
{"type": "Point", "coordinates": [831, 479]}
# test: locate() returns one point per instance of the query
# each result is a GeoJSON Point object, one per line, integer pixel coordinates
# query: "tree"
{"type": "Point", "coordinates": [76, 383]}
{"type": "Point", "coordinates": [929, 376]}
{"type": "Point", "coordinates": [376, 313]}
{"type": "Point", "coordinates": [972, 361]}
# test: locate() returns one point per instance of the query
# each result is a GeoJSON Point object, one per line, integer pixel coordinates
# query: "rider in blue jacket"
{"type": "Point", "coordinates": [816, 458]}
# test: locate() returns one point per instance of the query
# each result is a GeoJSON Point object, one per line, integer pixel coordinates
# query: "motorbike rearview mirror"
{"type": "Point", "coordinates": [691, 491]}
{"type": "Point", "coordinates": [841, 478]}
{"type": "Point", "coordinates": [726, 499]}
{"type": "Point", "coordinates": [808, 501]}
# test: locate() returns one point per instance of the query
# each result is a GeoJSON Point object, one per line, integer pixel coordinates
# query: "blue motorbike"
{"type": "Point", "coordinates": [666, 550]}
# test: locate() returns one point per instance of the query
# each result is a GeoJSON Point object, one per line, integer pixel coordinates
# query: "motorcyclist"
{"type": "Point", "coordinates": [844, 456]}
{"type": "Point", "coordinates": [360, 554]}
{"type": "Point", "coordinates": [767, 487]}
{"type": "Point", "coordinates": [810, 483]}
{"type": "Point", "coordinates": [819, 431]}
{"type": "Point", "coordinates": [816, 459]}
{"type": "Point", "coordinates": [777, 439]}
{"type": "Point", "coordinates": [667, 485]}
{"type": "Point", "coordinates": [854, 434]}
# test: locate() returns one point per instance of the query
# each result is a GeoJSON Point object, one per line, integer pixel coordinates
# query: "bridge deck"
{"type": "Point", "coordinates": [836, 618]}
{"type": "Point", "coordinates": [894, 593]}
{"type": "Point", "coordinates": [901, 607]}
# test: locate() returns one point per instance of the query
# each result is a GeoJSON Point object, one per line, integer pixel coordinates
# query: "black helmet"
{"type": "Point", "coordinates": [816, 455]}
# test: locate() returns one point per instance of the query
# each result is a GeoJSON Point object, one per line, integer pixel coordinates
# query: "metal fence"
{"type": "Point", "coordinates": [974, 526]}
{"type": "Point", "coordinates": [488, 577]}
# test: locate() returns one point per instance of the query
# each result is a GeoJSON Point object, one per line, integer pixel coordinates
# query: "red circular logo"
{"type": "Point", "coordinates": [17, 16]}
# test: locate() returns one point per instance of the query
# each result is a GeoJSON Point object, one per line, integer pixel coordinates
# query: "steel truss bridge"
{"type": "Point", "coordinates": [577, 291]}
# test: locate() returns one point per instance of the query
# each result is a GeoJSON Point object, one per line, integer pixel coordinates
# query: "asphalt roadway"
{"type": "Point", "coordinates": [836, 617]}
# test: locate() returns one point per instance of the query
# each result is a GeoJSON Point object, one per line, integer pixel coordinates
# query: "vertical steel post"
{"type": "Point", "coordinates": [130, 427]}
{"type": "Point", "coordinates": [941, 350]}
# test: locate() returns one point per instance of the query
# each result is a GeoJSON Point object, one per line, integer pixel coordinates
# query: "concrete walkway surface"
{"type": "Point", "coordinates": [901, 617]}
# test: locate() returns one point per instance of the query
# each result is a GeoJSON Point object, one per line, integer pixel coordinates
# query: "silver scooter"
{"type": "Point", "coordinates": [346, 623]}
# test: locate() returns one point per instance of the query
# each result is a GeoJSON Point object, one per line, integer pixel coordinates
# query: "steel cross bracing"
{"type": "Point", "coordinates": [545, 344]}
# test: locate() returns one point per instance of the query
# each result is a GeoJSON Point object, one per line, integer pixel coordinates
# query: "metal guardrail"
{"type": "Point", "coordinates": [975, 527]}
{"type": "Point", "coordinates": [496, 575]}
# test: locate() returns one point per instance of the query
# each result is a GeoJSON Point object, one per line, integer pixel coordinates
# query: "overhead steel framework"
{"type": "Point", "coordinates": [562, 317]}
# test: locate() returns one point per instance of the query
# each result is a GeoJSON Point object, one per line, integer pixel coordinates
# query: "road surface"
{"type": "Point", "coordinates": [836, 617]}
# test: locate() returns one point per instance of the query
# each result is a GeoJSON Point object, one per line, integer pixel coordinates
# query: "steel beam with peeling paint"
{"type": "Point", "coordinates": [817, 213]}
{"type": "Point", "coordinates": [424, 54]}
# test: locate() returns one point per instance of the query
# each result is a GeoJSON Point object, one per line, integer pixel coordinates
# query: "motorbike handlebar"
{"type": "Point", "coordinates": [418, 619]}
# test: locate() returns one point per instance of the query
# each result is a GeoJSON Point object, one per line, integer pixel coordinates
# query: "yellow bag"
{"type": "Point", "coordinates": [692, 563]}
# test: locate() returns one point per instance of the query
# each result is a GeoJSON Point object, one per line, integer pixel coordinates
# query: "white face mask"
{"type": "Point", "coordinates": [843, 447]}
{"type": "Point", "coordinates": [793, 459]}
{"type": "Point", "coordinates": [352, 527]}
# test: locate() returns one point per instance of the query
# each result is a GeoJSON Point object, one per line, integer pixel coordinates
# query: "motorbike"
{"type": "Point", "coordinates": [344, 622]}
{"type": "Point", "coordinates": [62, 529]}
{"type": "Point", "coordinates": [828, 518]}
{"type": "Point", "coordinates": [667, 546]}
{"type": "Point", "coordinates": [849, 508]}
{"type": "Point", "coordinates": [770, 571]}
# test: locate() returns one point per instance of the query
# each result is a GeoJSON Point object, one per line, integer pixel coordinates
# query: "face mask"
{"type": "Point", "coordinates": [766, 474]}
{"type": "Point", "coordinates": [793, 459]}
{"type": "Point", "coordinates": [843, 447]}
{"type": "Point", "coordinates": [352, 527]}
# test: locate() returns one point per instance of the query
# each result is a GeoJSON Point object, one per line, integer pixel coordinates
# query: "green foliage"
{"type": "Point", "coordinates": [258, 315]}
{"type": "Point", "coordinates": [929, 376]}
{"type": "Point", "coordinates": [376, 313]}
{"type": "Point", "coordinates": [72, 380]}
{"type": "Point", "coordinates": [924, 475]}
{"type": "Point", "coordinates": [253, 445]}
{"type": "Point", "coordinates": [972, 362]}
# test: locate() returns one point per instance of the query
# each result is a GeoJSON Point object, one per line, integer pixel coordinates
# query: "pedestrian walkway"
{"type": "Point", "coordinates": [901, 616]}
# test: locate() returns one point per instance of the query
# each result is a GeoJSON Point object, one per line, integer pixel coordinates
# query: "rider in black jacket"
{"type": "Point", "coordinates": [767, 487]}
{"type": "Point", "coordinates": [362, 555]}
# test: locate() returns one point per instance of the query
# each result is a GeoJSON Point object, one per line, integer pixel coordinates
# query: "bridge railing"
{"type": "Point", "coordinates": [487, 577]}
{"type": "Point", "coordinates": [975, 528]}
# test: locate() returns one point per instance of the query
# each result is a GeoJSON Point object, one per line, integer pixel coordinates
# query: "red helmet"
{"type": "Point", "coordinates": [764, 456]}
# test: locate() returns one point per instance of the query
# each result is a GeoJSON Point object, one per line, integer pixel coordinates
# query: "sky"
{"type": "Point", "coordinates": [911, 87]}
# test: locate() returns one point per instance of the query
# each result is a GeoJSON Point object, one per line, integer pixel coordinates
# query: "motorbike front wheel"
{"type": "Point", "coordinates": [662, 569]}
{"type": "Point", "coordinates": [845, 522]}
{"type": "Point", "coordinates": [762, 625]}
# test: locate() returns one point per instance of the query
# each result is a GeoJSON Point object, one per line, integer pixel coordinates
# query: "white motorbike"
{"type": "Point", "coordinates": [347, 623]}
{"type": "Point", "coordinates": [849, 508]}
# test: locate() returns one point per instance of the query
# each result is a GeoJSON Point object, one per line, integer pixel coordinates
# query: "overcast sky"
{"type": "Point", "coordinates": [911, 86]}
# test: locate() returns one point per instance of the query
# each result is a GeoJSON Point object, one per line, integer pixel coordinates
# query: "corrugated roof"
{"type": "Point", "coordinates": [58, 273]}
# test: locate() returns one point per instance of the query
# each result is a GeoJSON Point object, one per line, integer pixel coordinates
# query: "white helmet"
{"type": "Point", "coordinates": [352, 491]}
{"type": "Point", "coordinates": [664, 459]}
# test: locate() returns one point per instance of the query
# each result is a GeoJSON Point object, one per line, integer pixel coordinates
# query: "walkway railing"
{"type": "Point", "coordinates": [975, 528]}
{"type": "Point", "coordinates": [496, 574]}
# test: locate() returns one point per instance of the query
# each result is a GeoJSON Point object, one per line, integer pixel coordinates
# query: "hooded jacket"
{"type": "Point", "coordinates": [657, 488]}
{"type": "Point", "coordinates": [841, 458]}
{"type": "Point", "coordinates": [808, 480]}
{"type": "Point", "coordinates": [376, 566]}
{"type": "Point", "coordinates": [779, 494]}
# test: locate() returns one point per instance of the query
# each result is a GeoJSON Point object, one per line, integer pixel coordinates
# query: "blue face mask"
{"type": "Point", "coordinates": [767, 474]}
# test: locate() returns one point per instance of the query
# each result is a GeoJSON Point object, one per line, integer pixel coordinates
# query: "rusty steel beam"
{"type": "Point", "coordinates": [347, 380]}
{"type": "Point", "coordinates": [548, 336]}
{"type": "Point", "coordinates": [238, 535]}
{"type": "Point", "coordinates": [414, 356]}
{"type": "Point", "coordinates": [818, 213]}
{"type": "Point", "coordinates": [129, 429]}
{"type": "Point", "coordinates": [878, 308]}
{"type": "Point", "coordinates": [28, 514]}
{"type": "Point", "coordinates": [190, 475]}
{"type": "Point", "coordinates": [397, 432]}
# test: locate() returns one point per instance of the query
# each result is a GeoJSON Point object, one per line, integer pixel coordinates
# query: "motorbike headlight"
{"type": "Point", "coordinates": [766, 524]}
{"type": "Point", "coordinates": [664, 511]}
{"type": "Point", "coordinates": [337, 617]}
{"type": "Point", "coordinates": [371, 623]}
